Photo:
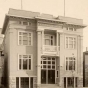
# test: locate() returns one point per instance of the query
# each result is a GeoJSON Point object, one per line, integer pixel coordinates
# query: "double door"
{"type": "Point", "coordinates": [48, 76]}
{"type": "Point", "coordinates": [48, 70]}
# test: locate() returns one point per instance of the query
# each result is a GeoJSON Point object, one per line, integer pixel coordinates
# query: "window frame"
{"type": "Point", "coordinates": [67, 42]}
{"type": "Point", "coordinates": [68, 63]}
{"type": "Point", "coordinates": [68, 29]}
{"type": "Point", "coordinates": [22, 23]}
{"type": "Point", "coordinates": [27, 64]}
{"type": "Point", "coordinates": [20, 81]}
{"type": "Point", "coordinates": [27, 36]}
{"type": "Point", "coordinates": [49, 39]}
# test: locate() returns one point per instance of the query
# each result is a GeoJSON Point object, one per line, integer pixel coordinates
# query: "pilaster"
{"type": "Point", "coordinates": [39, 58]}
{"type": "Point", "coordinates": [61, 58]}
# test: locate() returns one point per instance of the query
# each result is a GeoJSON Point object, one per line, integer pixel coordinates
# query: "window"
{"type": "Point", "coordinates": [57, 74]}
{"type": "Point", "coordinates": [25, 62]}
{"type": "Point", "coordinates": [24, 82]}
{"type": "Point", "coordinates": [71, 29]}
{"type": "Point", "coordinates": [49, 39]}
{"type": "Point", "coordinates": [70, 63]}
{"type": "Point", "coordinates": [70, 42]}
{"type": "Point", "coordinates": [70, 82]}
{"type": "Point", "coordinates": [24, 23]}
{"type": "Point", "coordinates": [48, 63]}
{"type": "Point", "coordinates": [25, 38]}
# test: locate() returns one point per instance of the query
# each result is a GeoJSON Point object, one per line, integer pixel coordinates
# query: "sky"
{"type": "Point", "coordinates": [73, 8]}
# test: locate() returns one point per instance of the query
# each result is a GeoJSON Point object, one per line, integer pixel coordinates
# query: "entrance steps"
{"type": "Point", "coordinates": [49, 86]}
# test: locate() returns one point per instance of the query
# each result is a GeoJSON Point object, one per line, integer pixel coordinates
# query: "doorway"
{"type": "Point", "coordinates": [48, 70]}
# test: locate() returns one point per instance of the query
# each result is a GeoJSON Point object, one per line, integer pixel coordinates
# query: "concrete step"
{"type": "Point", "coordinates": [49, 86]}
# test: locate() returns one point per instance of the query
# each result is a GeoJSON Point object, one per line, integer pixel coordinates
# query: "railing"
{"type": "Point", "coordinates": [51, 49]}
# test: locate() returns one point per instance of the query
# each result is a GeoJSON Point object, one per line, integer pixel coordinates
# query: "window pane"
{"type": "Point", "coordinates": [20, 33]}
{"type": "Point", "coordinates": [44, 62]}
{"type": "Point", "coordinates": [53, 62]}
{"type": "Point", "coordinates": [70, 65]}
{"type": "Point", "coordinates": [70, 81]}
{"type": "Point", "coordinates": [24, 63]}
{"type": "Point", "coordinates": [57, 73]}
{"type": "Point", "coordinates": [76, 82]}
{"type": "Point", "coordinates": [25, 23]}
{"type": "Point", "coordinates": [53, 67]}
{"type": "Point", "coordinates": [20, 39]}
{"type": "Point", "coordinates": [31, 82]}
{"type": "Point", "coordinates": [29, 56]}
{"type": "Point", "coordinates": [70, 29]}
{"type": "Point", "coordinates": [44, 66]}
{"type": "Point", "coordinates": [49, 62]}
{"type": "Point", "coordinates": [66, 65]}
{"type": "Point", "coordinates": [74, 65]}
{"type": "Point", "coordinates": [29, 34]}
{"type": "Point", "coordinates": [19, 63]}
{"type": "Point", "coordinates": [47, 42]}
{"type": "Point", "coordinates": [49, 67]}
{"type": "Point", "coordinates": [17, 82]}
{"type": "Point", "coordinates": [24, 82]}
{"type": "Point", "coordinates": [25, 40]}
{"type": "Point", "coordinates": [29, 40]}
{"type": "Point", "coordinates": [25, 56]}
{"type": "Point", "coordinates": [29, 64]}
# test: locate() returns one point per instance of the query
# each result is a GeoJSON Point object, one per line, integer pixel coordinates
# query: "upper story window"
{"type": "Point", "coordinates": [70, 42]}
{"type": "Point", "coordinates": [49, 39]}
{"type": "Point", "coordinates": [25, 38]}
{"type": "Point", "coordinates": [25, 62]}
{"type": "Point", "coordinates": [70, 63]}
{"type": "Point", "coordinates": [24, 23]}
{"type": "Point", "coordinates": [71, 29]}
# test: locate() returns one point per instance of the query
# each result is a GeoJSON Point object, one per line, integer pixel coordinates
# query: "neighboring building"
{"type": "Point", "coordinates": [85, 69]}
{"type": "Point", "coordinates": [42, 49]}
{"type": "Point", "coordinates": [1, 57]}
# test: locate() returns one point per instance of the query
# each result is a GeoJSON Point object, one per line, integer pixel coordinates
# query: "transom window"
{"type": "Point", "coordinates": [70, 42]}
{"type": "Point", "coordinates": [48, 63]}
{"type": "Point", "coordinates": [25, 38]}
{"type": "Point", "coordinates": [25, 62]}
{"type": "Point", "coordinates": [49, 39]}
{"type": "Point", "coordinates": [70, 63]}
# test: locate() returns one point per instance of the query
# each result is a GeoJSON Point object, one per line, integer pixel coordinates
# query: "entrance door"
{"type": "Point", "coordinates": [43, 76]}
{"type": "Point", "coordinates": [51, 76]}
{"type": "Point", "coordinates": [48, 70]}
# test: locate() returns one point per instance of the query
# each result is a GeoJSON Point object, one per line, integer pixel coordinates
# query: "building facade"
{"type": "Point", "coordinates": [85, 69]}
{"type": "Point", "coordinates": [43, 51]}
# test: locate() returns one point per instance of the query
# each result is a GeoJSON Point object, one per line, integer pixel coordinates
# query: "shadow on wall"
{"type": "Point", "coordinates": [4, 80]}
{"type": "Point", "coordinates": [2, 86]}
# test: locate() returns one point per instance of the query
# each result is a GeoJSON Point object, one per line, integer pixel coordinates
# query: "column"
{"type": "Point", "coordinates": [38, 59]}
{"type": "Point", "coordinates": [42, 40]}
{"type": "Point", "coordinates": [61, 63]}
{"type": "Point", "coordinates": [57, 42]}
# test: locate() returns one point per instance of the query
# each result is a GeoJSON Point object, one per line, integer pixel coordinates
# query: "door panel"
{"type": "Point", "coordinates": [43, 76]}
{"type": "Point", "coordinates": [51, 76]}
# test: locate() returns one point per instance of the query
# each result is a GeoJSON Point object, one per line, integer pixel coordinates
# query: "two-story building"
{"type": "Point", "coordinates": [43, 51]}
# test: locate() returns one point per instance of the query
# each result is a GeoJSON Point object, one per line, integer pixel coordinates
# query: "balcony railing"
{"type": "Point", "coordinates": [51, 49]}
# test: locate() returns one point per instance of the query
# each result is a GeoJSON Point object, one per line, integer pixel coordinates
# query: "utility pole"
{"type": "Point", "coordinates": [21, 5]}
{"type": "Point", "coordinates": [64, 8]}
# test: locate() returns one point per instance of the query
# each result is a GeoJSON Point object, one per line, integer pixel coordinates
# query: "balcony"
{"type": "Point", "coordinates": [48, 49]}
